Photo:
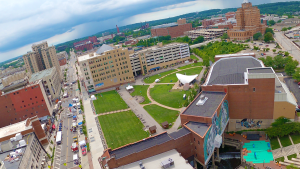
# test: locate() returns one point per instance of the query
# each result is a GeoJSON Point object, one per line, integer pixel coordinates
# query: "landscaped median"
{"type": "Point", "coordinates": [109, 101]}
{"type": "Point", "coordinates": [161, 114]}
{"type": "Point", "coordinates": [141, 90]}
{"type": "Point", "coordinates": [121, 128]}
{"type": "Point", "coordinates": [151, 79]}
{"type": "Point", "coordinates": [191, 65]}
{"type": "Point", "coordinates": [163, 95]}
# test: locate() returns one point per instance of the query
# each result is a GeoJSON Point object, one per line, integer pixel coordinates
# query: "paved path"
{"type": "Point", "coordinates": [137, 109]}
{"type": "Point", "coordinates": [287, 44]}
{"type": "Point", "coordinates": [286, 151]}
{"type": "Point", "coordinates": [293, 87]}
{"type": "Point", "coordinates": [111, 112]}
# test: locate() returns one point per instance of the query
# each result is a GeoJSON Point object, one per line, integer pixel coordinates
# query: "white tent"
{"type": "Point", "coordinates": [82, 143]}
{"type": "Point", "coordinates": [185, 78]}
{"type": "Point", "coordinates": [129, 87]}
{"type": "Point", "coordinates": [93, 97]}
{"type": "Point", "coordinates": [156, 80]}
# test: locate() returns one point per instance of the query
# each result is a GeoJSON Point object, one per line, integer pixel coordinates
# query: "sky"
{"type": "Point", "coordinates": [25, 22]}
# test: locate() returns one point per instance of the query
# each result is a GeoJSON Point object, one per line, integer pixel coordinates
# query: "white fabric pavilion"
{"type": "Point", "coordinates": [185, 78]}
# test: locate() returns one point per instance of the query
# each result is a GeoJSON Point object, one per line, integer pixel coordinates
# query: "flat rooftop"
{"type": "Point", "coordinates": [41, 74]}
{"type": "Point", "coordinates": [214, 99]}
{"type": "Point", "coordinates": [14, 129]}
{"type": "Point", "coordinates": [231, 70]}
{"type": "Point", "coordinates": [261, 70]}
{"type": "Point", "coordinates": [199, 128]}
{"type": "Point", "coordinates": [11, 163]}
{"type": "Point", "coordinates": [154, 162]}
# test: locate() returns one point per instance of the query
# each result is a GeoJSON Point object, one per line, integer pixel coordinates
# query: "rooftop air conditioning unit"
{"type": "Point", "coordinates": [201, 101]}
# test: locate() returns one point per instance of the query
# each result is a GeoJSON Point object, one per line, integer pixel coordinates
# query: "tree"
{"type": "Point", "coordinates": [278, 62]}
{"type": "Point", "coordinates": [290, 68]}
{"type": "Point", "coordinates": [224, 36]}
{"type": "Point", "coordinates": [269, 62]}
{"type": "Point", "coordinates": [274, 50]}
{"type": "Point", "coordinates": [257, 36]}
{"type": "Point", "coordinates": [199, 39]}
{"type": "Point", "coordinates": [279, 21]}
{"type": "Point", "coordinates": [284, 29]}
{"type": "Point", "coordinates": [271, 22]}
{"type": "Point", "coordinates": [269, 30]}
{"type": "Point", "coordinates": [289, 28]}
{"type": "Point", "coordinates": [296, 75]}
{"type": "Point", "coordinates": [268, 37]}
{"type": "Point", "coordinates": [286, 53]}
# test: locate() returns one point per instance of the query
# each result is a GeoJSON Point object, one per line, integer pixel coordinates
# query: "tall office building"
{"type": "Point", "coordinates": [42, 57]}
{"type": "Point", "coordinates": [247, 22]}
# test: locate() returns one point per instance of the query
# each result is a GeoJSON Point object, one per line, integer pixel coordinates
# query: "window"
{"type": "Point", "coordinates": [195, 148]}
{"type": "Point", "coordinates": [199, 142]}
{"type": "Point", "coordinates": [254, 89]}
{"type": "Point", "coordinates": [194, 139]}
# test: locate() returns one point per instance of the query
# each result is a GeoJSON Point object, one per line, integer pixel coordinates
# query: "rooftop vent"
{"type": "Point", "coordinates": [202, 100]}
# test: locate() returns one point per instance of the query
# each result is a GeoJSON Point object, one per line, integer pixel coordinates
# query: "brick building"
{"type": "Point", "coordinates": [21, 100]}
{"type": "Point", "coordinates": [92, 39]}
{"type": "Point", "coordinates": [172, 29]}
{"type": "Point", "coordinates": [230, 15]}
{"type": "Point", "coordinates": [208, 22]}
{"type": "Point", "coordinates": [62, 58]}
{"type": "Point", "coordinates": [248, 23]}
{"type": "Point", "coordinates": [239, 93]}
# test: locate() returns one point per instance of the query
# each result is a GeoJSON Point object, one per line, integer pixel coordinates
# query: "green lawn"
{"type": "Point", "coordinates": [274, 143]}
{"type": "Point", "coordinates": [295, 138]}
{"type": "Point", "coordinates": [280, 159]}
{"type": "Point", "coordinates": [173, 77]}
{"type": "Point", "coordinates": [141, 90]}
{"type": "Point", "coordinates": [161, 114]}
{"type": "Point", "coordinates": [161, 94]}
{"type": "Point", "coordinates": [151, 79]}
{"type": "Point", "coordinates": [110, 101]}
{"type": "Point", "coordinates": [191, 65]}
{"type": "Point", "coordinates": [194, 57]}
{"type": "Point", "coordinates": [285, 141]}
{"type": "Point", "coordinates": [292, 156]}
{"type": "Point", "coordinates": [121, 128]}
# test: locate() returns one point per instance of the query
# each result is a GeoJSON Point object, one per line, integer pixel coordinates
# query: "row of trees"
{"type": "Point", "coordinates": [282, 127]}
{"type": "Point", "coordinates": [208, 52]}
{"type": "Point", "coordinates": [279, 62]}
{"type": "Point", "coordinates": [267, 37]}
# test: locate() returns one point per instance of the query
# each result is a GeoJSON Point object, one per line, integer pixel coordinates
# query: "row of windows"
{"type": "Point", "coordinates": [26, 89]}
{"type": "Point", "coordinates": [101, 79]}
{"type": "Point", "coordinates": [107, 72]}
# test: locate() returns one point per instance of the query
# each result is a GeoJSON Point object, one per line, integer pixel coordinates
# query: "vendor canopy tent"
{"type": "Point", "coordinates": [129, 87]}
{"type": "Point", "coordinates": [185, 78]}
{"type": "Point", "coordinates": [93, 97]}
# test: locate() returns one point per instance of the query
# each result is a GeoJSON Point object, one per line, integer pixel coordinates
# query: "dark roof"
{"type": "Point", "coordinates": [140, 146]}
{"type": "Point", "coordinates": [231, 70]}
{"type": "Point", "coordinates": [152, 128]}
{"type": "Point", "coordinates": [179, 133]}
{"type": "Point", "coordinates": [209, 107]}
{"type": "Point", "coordinates": [261, 70]}
{"type": "Point", "coordinates": [199, 128]}
{"type": "Point", "coordinates": [164, 123]}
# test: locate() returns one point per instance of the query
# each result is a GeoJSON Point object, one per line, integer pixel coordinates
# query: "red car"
{"type": "Point", "coordinates": [264, 53]}
{"type": "Point", "coordinates": [298, 83]}
{"type": "Point", "coordinates": [84, 151]}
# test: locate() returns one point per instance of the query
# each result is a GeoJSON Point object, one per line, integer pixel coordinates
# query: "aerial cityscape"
{"type": "Point", "coordinates": [208, 89]}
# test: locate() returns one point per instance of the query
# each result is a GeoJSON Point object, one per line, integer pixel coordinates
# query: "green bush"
{"type": "Point", "coordinates": [88, 147]}
{"type": "Point", "coordinates": [282, 127]}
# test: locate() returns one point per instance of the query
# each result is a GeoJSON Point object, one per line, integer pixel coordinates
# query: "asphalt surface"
{"type": "Point", "coordinates": [287, 45]}
{"type": "Point", "coordinates": [63, 152]}
{"type": "Point", "coordinates": [294, 88]}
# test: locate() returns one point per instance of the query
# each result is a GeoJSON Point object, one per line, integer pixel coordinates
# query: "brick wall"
{"type": "Point", "coordinates": [174, 32]}
{"type": "Point", "coordinates": [88, 46]}
{"type": "Point", "coordinates": [159, 32]}
{"type": "Point", "coordinates": [62, 61]}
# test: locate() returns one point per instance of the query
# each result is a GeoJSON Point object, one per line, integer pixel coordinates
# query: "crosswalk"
{"type": "Point", "coordinates": [57, 159]}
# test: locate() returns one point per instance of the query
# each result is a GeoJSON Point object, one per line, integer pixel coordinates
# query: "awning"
{"type": "Point", "coordinates": [74, 116]}
{"type": "Point", "coordinates": [53, 126]}
{"type": "Point", "coordinates": [70, 105]}
{"type": "Point", "coordinates": [80, 123]}
{"type": "Point", "coordinates": [185, 78]}
{"type": "Point", "coordinates": [155, 68]}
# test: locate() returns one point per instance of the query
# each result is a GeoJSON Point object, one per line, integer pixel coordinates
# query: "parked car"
{"type": "Point", "coordinates": [264, 53]}
{"type": "Point", "coordinates": [75, 139]}
{"type": "Point", "coordinates": [81, 131]}
{"type": "Point", "coordinates": [267, 45]}
{"type": "Point", "coordinates": [261, 44]}
{"type": "Point", "coordinates": [84, 151]}
{"type": "Point", "coordinates": [297, 109]}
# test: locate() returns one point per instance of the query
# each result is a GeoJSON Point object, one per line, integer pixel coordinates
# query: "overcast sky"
{"type": "Point", "coordinates": [24, 22]}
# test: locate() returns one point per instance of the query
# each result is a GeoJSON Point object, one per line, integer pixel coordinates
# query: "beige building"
{"type": "Point", "coordinates": [50, 80]}
{"type": "Point", "coordinates": [247, 23]}
{"type": "Point", "coordinates": [12, 78]}
{"type": "Point", "coordinates": [42, 57]}
{"type": "Point", "coordinates": [206, 33]}
{"type": "Point", "coordinates": [157, 57]}
{"type": "Point", "coordinates": [107, 67]}
{"type": "Point", "coordinates": [62, 55]}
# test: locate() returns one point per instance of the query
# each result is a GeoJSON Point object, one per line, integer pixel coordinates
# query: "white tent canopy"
{"type": "Point", "coordinates": [82, 143]}
{"type": "Point", "coordinates": [185, 78]}
{"type": "Point", "coordinates": [129, 87]}
{"type": "Point", "coordinates": [93, 97]}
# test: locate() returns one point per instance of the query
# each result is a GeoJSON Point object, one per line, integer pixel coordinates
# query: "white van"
{"type": "Point", "coordinates": [76, 105]}
{"type": "Point", "coordinates": [58, 138]}
{"type": "Point", "coordinates": [70, 115]}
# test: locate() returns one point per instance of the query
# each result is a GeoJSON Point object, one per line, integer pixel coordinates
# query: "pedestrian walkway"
{"type": "Point", "coordinates": [111, 112]}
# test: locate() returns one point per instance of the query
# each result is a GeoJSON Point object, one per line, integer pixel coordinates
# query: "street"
{"type": "Point", "coordinates": [63, 152]}
{"type": "Point", "coordinates": [287, 45]}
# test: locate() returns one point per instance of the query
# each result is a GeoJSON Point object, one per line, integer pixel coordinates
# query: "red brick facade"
{"type": "Point", "coordinates": [62, 61]}
{"type": "Point", "coordinates": [174, 32]}
{"type": "Point", "coordinates": [230, 15]}
{"type": "Point", "coordinates": [225, 26]}
{"type": "Point", "coordinates": [93, 39]}
{"type": "Point", "coordinates": [87, 46]}
{"type": "Point", "coordinates": [22, 104]}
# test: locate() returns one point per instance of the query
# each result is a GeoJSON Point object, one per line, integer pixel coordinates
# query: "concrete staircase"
{"type": "Point", "coordinates": [294, 161]}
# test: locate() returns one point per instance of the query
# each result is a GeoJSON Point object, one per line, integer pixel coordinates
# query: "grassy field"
{"type": "Point", "coordinates": [161, 94]}
{"type": "Point", "coordinates": [173, 78]}
{"type": "Point", "coordinates": [285, 141]}
{"type": "Point", "coordinates": [274, 143]}
{"type": "Point", "coordinates": [292, 156]}
{"type": "Point", "coordinates": [110, 101]}
{"type": "Point", "coordinates": [121, 128]}
{"type": "Point", "coordinates": [151, 79]}
{"type": "Point", "coordinates": [194, 57]}
{"type": "Point", "coordinates": [191, 65]}
{"type": "Point", "coordinates": [295, 138]}
{"type": "Point", "coordinates": [161, 114]}
{"type": "Point", "coordinates": [141, 90]}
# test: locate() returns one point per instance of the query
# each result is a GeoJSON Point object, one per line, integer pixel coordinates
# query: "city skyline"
{"type": "Point", "coordinates": [58, 22]}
